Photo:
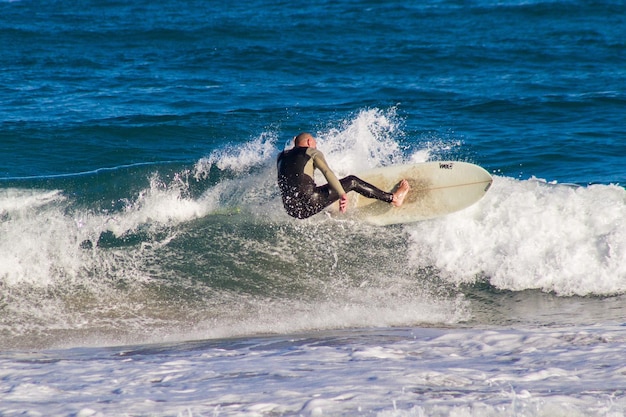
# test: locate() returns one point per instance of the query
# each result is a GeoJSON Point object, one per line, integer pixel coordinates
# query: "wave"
{"type": "Point", "coordinates": [207, 251]}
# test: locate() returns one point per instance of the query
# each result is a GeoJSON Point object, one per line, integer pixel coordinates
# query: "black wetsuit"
{"type": "Point", "coordinates": [302, 198]}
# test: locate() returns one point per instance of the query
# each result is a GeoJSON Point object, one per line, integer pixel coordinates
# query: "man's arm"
{"type": "Point", "coordinates": [320, 163]}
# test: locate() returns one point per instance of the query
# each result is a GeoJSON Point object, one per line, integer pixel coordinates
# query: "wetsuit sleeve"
{"type": "Point", "coordinates": [319, 162]}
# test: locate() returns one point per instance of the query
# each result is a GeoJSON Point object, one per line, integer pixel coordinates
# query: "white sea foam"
{"type": "Point", "coordinates": [160, 204]}
{"type": "Point", "coordinates": [239, 158]}
{"type": "Point", "coordinates": [40, 243]}
{"type": "Point", "coordinates": [34, 243]}
{"type": "Point", "coordinates": [390, 373]}
{"type": "Point", "coordinates": [14, 201]}
{"type": "Point", "coordinates": [532, 235]}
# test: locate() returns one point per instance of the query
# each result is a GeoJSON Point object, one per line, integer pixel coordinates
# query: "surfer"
{"type": "Point", "coordinates": [302, 198]}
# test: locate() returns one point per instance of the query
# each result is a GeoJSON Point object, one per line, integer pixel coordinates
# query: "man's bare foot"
{"type": "Point", "coordinates": [400, 194]}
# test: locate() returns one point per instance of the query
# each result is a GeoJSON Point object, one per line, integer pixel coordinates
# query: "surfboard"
{"type": "Point", "coordinates": [437, 188]}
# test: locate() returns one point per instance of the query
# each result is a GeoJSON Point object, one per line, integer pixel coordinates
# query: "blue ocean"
{"type": "Point", "coordinates": [148, 268]}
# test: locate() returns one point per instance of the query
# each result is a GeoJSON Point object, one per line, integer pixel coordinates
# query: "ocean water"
{"type": "Point", "coordinates": [147, 267]}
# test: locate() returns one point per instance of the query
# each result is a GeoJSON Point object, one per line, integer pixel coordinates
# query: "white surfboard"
{"type": "Point", "coordinates": [437, 188]}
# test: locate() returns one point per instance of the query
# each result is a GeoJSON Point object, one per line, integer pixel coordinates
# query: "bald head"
{"type": "Point", "coordinates": [305, 139]}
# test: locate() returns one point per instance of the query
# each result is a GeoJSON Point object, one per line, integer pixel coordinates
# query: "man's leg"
{"type": "Point", "coordinates": [324, 196]}
{"type": "Point", "coordinates": [353, 183]}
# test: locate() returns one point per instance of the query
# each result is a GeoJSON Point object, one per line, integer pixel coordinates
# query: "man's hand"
{"type": "Point", "coordinates": [343, 203]}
